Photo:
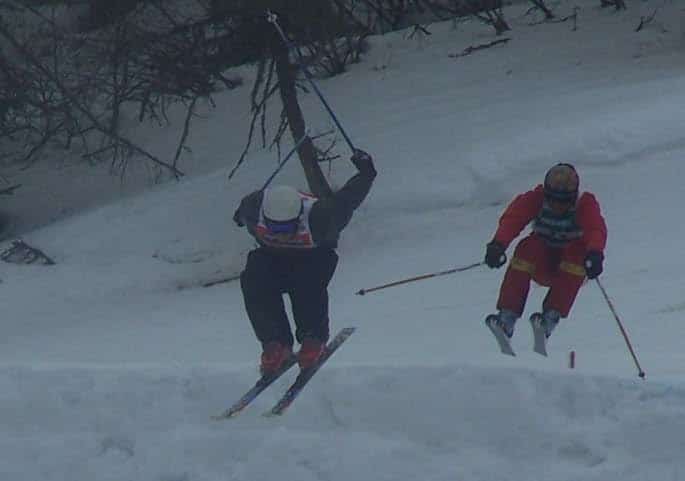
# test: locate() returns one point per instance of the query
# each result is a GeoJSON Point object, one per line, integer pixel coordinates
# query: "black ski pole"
{"type": "Point", "coordinates": [641, 373]}
{"type": "Point", "coordinates": [273, 19]}
{"type": "Point", "coordinates": [418, 278]}
{"type": "Point", "coordinates": [283, 162]}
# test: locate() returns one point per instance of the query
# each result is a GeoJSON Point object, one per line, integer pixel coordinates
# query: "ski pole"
{"type": "Point", "coordinates": [641, 373]}
{"type": "Point", "coordinates": [287, 157]}
{"type": "Point", "coordinates": [418, 278]}
{"type": "Point", "coordinates": [273, 19]}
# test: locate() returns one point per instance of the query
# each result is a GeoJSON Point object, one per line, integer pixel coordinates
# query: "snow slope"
{"type": "Point", "coordinates": [112, 361]}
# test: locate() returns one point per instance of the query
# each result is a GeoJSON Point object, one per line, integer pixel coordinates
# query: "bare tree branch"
{"type": "Point", "coordinates": [470, 50]}
{"type": "Point", "coordinates": [540, 5]}
{"type": "Point", "coordinates": [76, 103]}
{"type": "Point", "coordinates": [644, 21]}
{"type": "Point", "coordinates": [618, 4]}
{"type": "Point", "coordinates": [9, 190]}
{"type": "Point", "coordinates": [186, 130]}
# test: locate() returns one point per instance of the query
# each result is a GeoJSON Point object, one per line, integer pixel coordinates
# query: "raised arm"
{"type": "Point", "coordinates": [346, 200]}
{"type": "Point", "coordinates": [247, 213]}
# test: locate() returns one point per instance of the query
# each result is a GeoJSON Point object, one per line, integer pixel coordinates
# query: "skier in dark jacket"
{"type": "Point", "coordinates": [297, 235]}
{"type": "Point", "coordinates": [566, 245]}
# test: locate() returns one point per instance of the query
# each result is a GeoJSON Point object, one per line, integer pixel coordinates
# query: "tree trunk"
{"type": "Point", "coordinates": [286, 80]}
{"type": "Point", "coordinates": [541, 5]}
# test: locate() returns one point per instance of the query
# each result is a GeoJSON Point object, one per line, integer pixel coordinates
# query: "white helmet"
{"type": "Point", "coordinates": [281, 204]}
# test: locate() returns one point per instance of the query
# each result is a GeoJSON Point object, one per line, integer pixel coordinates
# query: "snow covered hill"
{"type": "Point", "coordinates": [354, 423]}
{"type": "Point", "coordinates": [112, 361]}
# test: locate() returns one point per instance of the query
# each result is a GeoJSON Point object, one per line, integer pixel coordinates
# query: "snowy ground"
{"type": "Point", "coordinates": [110, 371]}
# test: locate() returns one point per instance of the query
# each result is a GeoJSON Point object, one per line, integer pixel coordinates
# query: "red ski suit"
{"type": "Point", "coordinates": [558, 267]}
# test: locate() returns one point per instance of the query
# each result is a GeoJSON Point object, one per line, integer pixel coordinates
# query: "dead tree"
{"type": "Point", "coordinates": [65, 89]}
{"type": "Point", "coordinates": [489, 12]}
{"type": "Point", "coordinates": [22, 253]}
{"type": "Point", "coordinates": [9, 190]}
{"type": "Point", "coordinates": [540, 5]}
{"type": "Point", "coordinates": [646, 20]}
{"type": "Point", "coordinates": [326, 39]}
{"type": "Point", "coordinates": [389, 15]}
{"type": "Point", "coordinates": [618, 4]}
{"type": "Point", "coordinates": [285, 72]}
{"type": "Point", "coordinates": [475, 48]}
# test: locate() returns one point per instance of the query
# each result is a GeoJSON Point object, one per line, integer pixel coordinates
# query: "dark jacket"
{"type": "Point", "coordinates": [329, 215]}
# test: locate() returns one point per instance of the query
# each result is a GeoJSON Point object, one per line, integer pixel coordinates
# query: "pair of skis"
{"type": "Point", "coordinates": [295, 388]}
{"type": "Point", "coordinates": [503, 341]}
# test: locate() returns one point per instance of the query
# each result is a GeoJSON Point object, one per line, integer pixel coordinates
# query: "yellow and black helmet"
{"type": "Point", "coordinates": [561, 183]}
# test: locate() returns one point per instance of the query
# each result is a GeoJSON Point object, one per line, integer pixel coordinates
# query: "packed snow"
{"type": "Point", "coordinates": [113, 360]}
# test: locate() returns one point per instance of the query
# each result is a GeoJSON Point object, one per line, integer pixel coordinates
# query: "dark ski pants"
{"type": "Point", "coordinates": [559, 268]}
{"type": "Point", "coordinates": [304, 276]}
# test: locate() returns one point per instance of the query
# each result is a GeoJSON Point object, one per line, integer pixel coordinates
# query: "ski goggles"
{"type": "Point", "coordinates": [560, 198]}
{"type": "Point", "coordinates": [282, 227]}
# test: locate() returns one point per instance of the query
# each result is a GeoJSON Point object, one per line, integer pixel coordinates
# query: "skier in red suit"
{"type": "Point", "coordinates": [566, 245]}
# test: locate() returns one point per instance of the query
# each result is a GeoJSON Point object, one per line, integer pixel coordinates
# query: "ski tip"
{"type": "Point", "coordinates": [540, 347]}
{"type": "Point", "coordinates": [502, 341]}
{"type": "Point", "coordinates": [225, 415]}
{"type": "Point", "coordinates": [507, 349]}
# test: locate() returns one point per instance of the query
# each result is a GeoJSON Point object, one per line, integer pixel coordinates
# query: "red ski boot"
{"type": "Point", "coordinates": [310, 352]}
{"type": "Point", "coordinates": [274, 357]}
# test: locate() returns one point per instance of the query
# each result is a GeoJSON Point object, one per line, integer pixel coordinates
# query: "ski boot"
{"type": "Point", "coordinates": [274, 357]}
{"type": "Point", "coordinates": [543, 325]}
{"type": "Point", "coordinates": [310, 352]}
{"type": "Point", "coordinates": [502, 327]}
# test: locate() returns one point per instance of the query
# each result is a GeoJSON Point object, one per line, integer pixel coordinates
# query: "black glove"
{"type": "Point", "coordinates": [363, 162]}
{"type": "Point", "coordinates": [494, 255]}
{"type": "Point", "coordinates": [593, 264]}
{"type": "Point", "coordinates": [237, 219]}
